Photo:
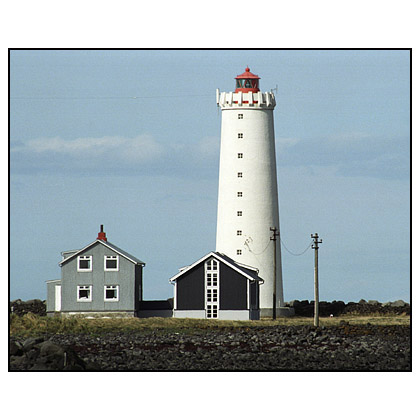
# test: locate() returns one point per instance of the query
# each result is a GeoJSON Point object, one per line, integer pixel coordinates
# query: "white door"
{"type": "Point", "coordinates": [57, 298]}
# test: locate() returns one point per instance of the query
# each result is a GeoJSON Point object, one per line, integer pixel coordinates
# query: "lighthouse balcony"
{"type": "Point", "coordinates": [246, 99]}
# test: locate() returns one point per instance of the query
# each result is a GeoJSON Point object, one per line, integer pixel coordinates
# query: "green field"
{"type": "Point", "coordinates": [31, 325]}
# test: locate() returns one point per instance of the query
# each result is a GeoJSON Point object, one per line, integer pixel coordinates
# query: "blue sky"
{"type": "Point", "coordinates": [130, 139]}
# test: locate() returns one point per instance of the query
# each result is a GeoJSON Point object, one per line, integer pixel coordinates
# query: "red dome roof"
{"type": "Point", "coordinates": [247, 75]}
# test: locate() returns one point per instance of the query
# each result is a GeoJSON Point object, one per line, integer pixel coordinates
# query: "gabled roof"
{"type": "Point", "coordinates": [250, 273]}
{"type": "Point", "coordinates": [108, 245]}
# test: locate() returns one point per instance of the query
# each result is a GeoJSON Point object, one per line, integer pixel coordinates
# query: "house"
{"type": "Point", "coordinates": [217, 287]}
{"type": "Point", "coordinates": [99, 279]}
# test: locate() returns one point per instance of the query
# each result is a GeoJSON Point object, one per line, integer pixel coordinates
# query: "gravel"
{"type": "Point", "coordinates": [280, 348]}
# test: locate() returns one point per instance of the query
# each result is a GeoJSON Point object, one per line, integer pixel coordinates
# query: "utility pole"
{"type": "Point", "coordinates": [315, 246]}
{"type": "Point", "coordinates": [274, 238]}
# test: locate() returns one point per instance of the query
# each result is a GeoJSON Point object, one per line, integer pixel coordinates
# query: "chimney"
{"type": "Point", "coordinates": [102, 234]}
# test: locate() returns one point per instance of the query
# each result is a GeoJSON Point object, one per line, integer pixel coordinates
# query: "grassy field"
{"type": "Point", "coordinates": [31, 325]}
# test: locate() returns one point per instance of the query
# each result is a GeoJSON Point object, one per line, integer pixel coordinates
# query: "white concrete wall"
{"type": "Point", "coordinates": [189, 314]}
{"type": "Point", "coordinates": [259, 201]}
{"type": "Point", "coordinates": [235, 315]}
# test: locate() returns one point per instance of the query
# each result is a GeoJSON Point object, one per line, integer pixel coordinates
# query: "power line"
{"type": "Point", "coordinates": [296, 255]}
{"type": "Point", "coordinates": [256, 253]}
{"type": "Point", "coordinates": [102, 97]}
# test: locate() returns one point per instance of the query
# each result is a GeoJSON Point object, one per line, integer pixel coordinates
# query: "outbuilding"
{"type": "Point", "coordinates": [99, 279]}
{"type": "Point", "coordinates": [217, 287]}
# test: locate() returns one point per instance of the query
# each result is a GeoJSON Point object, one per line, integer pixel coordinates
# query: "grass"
{"type": "Point", "coordinates": [31, 325]}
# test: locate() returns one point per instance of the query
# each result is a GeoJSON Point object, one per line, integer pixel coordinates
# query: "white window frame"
{"type": "Point", "coordinates": [240, 135]}
{"type": "Point", "coordinates": [212, 288]}
{"type": "Point", "coordinates": [240, 174]}
{"type": "Point", "coordinates": [84, 287]}
{"type": "Point", "coordinates": [112, 287]}
{"type": "Point", "coordinates": [240, 116]}
{"type": "Point", "coordinates": [239, 213]}
{"type": "Point", "coordinates": [239, 252]}
{"type": "Point", "coordinates": [240, 155]}
{"type": "Point", "coordinates": [239, 233]}
{"type": "Point", "coordinates": [240, 194]}
{"type": "Point", "coordinates": [84, 258]}
{"type": "Point", "coordinates": [111, 258]}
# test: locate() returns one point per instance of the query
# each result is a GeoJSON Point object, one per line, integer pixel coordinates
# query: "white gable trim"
{"type": "Point", "coordinates": [219, 258]}
{"type": "Point", "coordinates": [93, 243]}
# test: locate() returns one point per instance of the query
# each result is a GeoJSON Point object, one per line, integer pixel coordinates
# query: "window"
{"type": "Point", "coordinates": [240, 135]}
{"type": "Point", "coordinates": [239, 193]}
{"type": "Point", "coordinates": [239, 232]}
{"type": "Point", "coordinates": [240, 116]}
{"type": "Point", "coordinates": [212, 288]}
{"type": "Point", "coordinates": [239, 252]}
{"type": "Point", "coordinates": [111, 263]}
{"type": "Point", "coordinates": [111, 293]}
{"type": "Point", "coordinates": [239, 174]}
{"type": "Point", "coordinates": [240, 155]}
{"type": "Point", "coordinates": [211, 311]}
{"type": "Point", "coordinates": [84, 293]}
{"type": "Point", "coordinates": [84, 263]}
{"type": "Point", "coordinates": [239, 213]}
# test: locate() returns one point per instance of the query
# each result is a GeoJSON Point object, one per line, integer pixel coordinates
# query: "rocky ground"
{"type": "Point", "coordinates": [280, 348]}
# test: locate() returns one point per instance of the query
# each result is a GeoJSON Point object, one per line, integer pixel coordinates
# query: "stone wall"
{"type": "Point", "coordinates": [35, 306]}
{"type": "Point", "coordinates": [302, 308]}
{"type": "Point", "coordinates": [363, 307]}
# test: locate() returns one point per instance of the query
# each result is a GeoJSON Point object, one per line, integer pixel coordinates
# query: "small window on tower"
{"type": "Point", "coordinates": [239, 174]}
{"type": "Point", "coordinates": [239, 232]}
{"type": "Point", "coordinates": [240, 155]}
{"type": "Point", "coordinates": [240, 116]}
{"type": "Point", "coordinates": [240, 135]}
{"type": "Point", "coordinates": [239, 193]}
{"type": "Point", "coordinates": [239, 213]}
{"type": "Point", "coordinates": [239, 252]}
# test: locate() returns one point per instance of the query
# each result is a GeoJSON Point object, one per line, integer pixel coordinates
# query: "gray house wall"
{"type": "Point", "coordinates": [128, 278]}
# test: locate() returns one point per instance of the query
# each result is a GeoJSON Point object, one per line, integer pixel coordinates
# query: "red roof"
{"type": "Point", "coordinates": [247, 75]}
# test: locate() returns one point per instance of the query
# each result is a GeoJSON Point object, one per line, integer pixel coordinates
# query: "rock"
{"type": "Point", "coordinates": [398, 304]}
{"type": "Point", "coordinates": [15, 348]}
{"type": "Point", "coordinates": [30, 342]}
{"type": "Point", "coordinates": [48, 348]}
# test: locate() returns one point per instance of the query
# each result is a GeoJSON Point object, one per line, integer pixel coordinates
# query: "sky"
{"type": "Point", "coordinates": [130, 139]}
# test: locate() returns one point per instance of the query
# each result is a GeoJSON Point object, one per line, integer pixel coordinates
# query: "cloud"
{"type": "Point", "coordinates": [142, 147]}
{"type": "Point", "coordinates": [141, 154]}
{"type": "Point", "coordinates": [85, 154]}
{"type": "Point", "coordinates": [352, 154]}
{"type": "Point", "coordinates": [283, 143]}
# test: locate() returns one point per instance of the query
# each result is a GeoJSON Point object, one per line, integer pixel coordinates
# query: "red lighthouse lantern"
{"type": "Point", "coordinates": [247, 82]}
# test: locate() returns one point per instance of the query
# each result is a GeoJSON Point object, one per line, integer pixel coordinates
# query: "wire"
{"type": "Point", "coordinates": [256, 253]}
{"type": "Point", "coordinates": [106, 97]}
{"type": "Point", "coordinates": [301, 253]}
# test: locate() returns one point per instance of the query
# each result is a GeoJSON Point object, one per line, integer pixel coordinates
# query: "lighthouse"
{"type": "Point", "coordinates": [248, 199]}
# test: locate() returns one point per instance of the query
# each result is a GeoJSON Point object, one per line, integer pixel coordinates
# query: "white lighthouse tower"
{"type": "Point", "coordinates": [248, 199]}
